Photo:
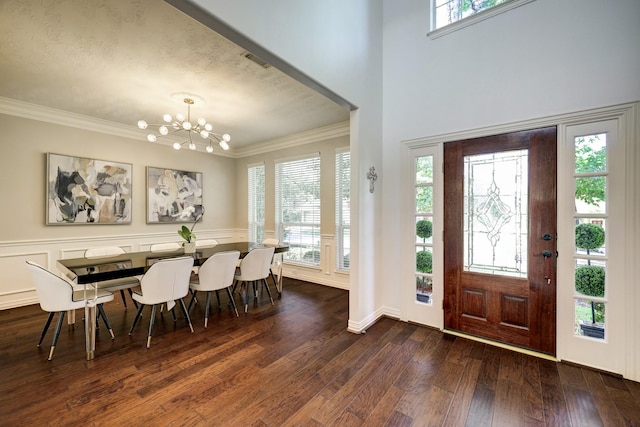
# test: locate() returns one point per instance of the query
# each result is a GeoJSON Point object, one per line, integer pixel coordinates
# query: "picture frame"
{"type": "Point", "coordinates": [86, 191]}
{"type": "Point", "coordinates": [173, 196]}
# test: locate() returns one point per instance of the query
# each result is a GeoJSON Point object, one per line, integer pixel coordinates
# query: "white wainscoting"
{"type": "Point", "coordinates": [16, 289]}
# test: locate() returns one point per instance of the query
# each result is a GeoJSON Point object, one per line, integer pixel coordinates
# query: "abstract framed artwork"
{"type": "Point", "coordinates": [87, 191]}
{"type": "Point", "coordinates": [173, 196]}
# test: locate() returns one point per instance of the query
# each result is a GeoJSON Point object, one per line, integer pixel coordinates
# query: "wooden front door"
{"type": "Point", "coordinates": [500, 238]}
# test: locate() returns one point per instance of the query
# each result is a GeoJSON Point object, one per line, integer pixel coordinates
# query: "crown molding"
{"type": "Point", "coordinates": [13, 107]}
{"type": "Point", "coordinates": [315, 135]}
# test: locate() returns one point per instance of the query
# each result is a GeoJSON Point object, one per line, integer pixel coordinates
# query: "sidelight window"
{"type": "Point", "coordinates": [423, 195]}
{"type": "Point", "coordinates": [590, 220]}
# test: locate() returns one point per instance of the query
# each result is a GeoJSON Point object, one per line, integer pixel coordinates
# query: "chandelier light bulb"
{"type": "Point", "coordinates": [174, 125]}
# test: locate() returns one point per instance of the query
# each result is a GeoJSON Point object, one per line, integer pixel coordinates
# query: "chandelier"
{"type": "Point", "coordinates": [180, 124]}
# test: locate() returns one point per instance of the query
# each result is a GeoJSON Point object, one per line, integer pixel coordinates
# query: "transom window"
{"type": "Point", "coordinates": [447, 12]}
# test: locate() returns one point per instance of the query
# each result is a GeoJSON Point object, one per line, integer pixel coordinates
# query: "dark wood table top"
{"type": "Point", "coordinates": [91, 270]}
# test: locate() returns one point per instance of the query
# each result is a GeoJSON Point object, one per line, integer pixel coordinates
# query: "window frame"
{"type": "Point", "coordinates": [292, 255]}
{"type": "Point", "coordinates": [253, 223]}
{"type": "Point", "coordinates": [340, 214]}
{"type": "Point", "coordinates": [435, 33]}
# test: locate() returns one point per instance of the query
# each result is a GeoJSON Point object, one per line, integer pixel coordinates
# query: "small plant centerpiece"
{"type": "Point", "coordinates": [187, 233]}
{"type": "Point", "coordinates": [590, 279]}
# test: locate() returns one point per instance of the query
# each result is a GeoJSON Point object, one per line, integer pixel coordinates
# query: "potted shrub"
{"type": "Point", "coordinates": [424, 259]}
{"type": "Point", "coordinates": [590, 279]}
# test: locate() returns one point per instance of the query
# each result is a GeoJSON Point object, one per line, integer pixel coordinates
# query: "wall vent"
{"type": "Point", "coordinates": [251, 57]}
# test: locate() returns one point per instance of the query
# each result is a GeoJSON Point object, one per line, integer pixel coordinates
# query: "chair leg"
{"type": "Point", "coordinates": [124, 300]}
{"type": "Point", "coordinates": [206, 309]}
{"type": "Point", "coordinates": [151, 323]}
{"type": "Point", "coordinates": [173, 314]}
{"type": "Point", "coordinates": [186, 314]}
{"type": "Point", "coordinates": [255, 291]}
{"type": "Point", "coordinates": [106, 320]}
{"type": "Point", "coordinates": [233, 302]}
{"type": "Point", "coordinates": [193, 298]}
{"type": "Point", "coordinates": [46, 327]}
{"type": "Point", "coordinates": [218, 298]}
{"type": "Point", "coordinates": [243, 296]}
{"type": "Point", "coordinates": [138, 316]}
{"type": "Point", "coordinates": [131, 296]}
{"type": "Point", "coordinates": [266, 283]}
{"type": "Point", "coordinates": [56, 335]}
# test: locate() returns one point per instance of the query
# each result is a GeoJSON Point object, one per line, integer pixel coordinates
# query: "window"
{"type": "Point", "coordinates": [298, 208]}
{"type": "Point", "coordinates": [447, 12]}
{"type": "Point", "coordinates": [255, 180]}
{"type": "Point", "coordinates": [343, 170]}
{"type": "Point", "coordinates": [423, 194]}
{"type": "Point", "coordinates": [590, 219]}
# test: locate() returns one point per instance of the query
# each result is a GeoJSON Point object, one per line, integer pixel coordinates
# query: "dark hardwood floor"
{"type": "Point", "coordinates": [292, 364]}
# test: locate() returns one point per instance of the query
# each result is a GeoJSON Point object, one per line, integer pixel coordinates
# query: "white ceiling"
{"type": "Point", "coordinates": [121, 60]}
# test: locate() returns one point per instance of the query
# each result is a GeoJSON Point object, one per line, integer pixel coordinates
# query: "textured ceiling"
{"type": "Point", "coordinates": [121, 60]}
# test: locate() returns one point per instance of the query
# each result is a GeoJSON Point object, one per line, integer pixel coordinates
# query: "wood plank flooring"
{"type": "Point", "coordinates": [292, 364]}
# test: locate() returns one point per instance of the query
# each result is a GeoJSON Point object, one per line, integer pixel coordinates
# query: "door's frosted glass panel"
{"type": "Point", "coordinates": [424, 170]}
{"type": "Point", "coordinates": [590, 319]}
{"type": "Point", "coordinates": [496, 213]}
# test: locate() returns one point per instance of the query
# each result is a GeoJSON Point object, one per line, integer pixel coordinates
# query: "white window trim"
{"type": "Point", "coordinates": [473, 19]}
{"type": "Point", "coordinates": [338, 235]}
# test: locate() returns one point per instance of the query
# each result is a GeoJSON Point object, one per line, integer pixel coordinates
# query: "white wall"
{"type": "Point", "coordinates": [339, 44]}
{"type": "Point", "coordinates": [23, 182]}
{"type": "Point", "coordinates": [544, 58]}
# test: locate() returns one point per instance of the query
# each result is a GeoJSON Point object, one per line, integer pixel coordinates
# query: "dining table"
{"type": "Point", "coordinates": [91, 272]}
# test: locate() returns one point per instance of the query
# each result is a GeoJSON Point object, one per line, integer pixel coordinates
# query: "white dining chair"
{"type": "Point", "coordinates": [215, 274]}
{"type": "Point", "coordinates": [57, 295]}
{"type": "Point", "coordinates": [165, 282]}
{"type": "Point", "coordinates": [206, 243]}
{"type": "Point", "coordinates": [116, 284]}
{"type": "Point", "coordinates": [165, 247]}
{"type": "Point", "coordinates": [254, 268]}
{"type": "Point", "coordinates": [277, 258]}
